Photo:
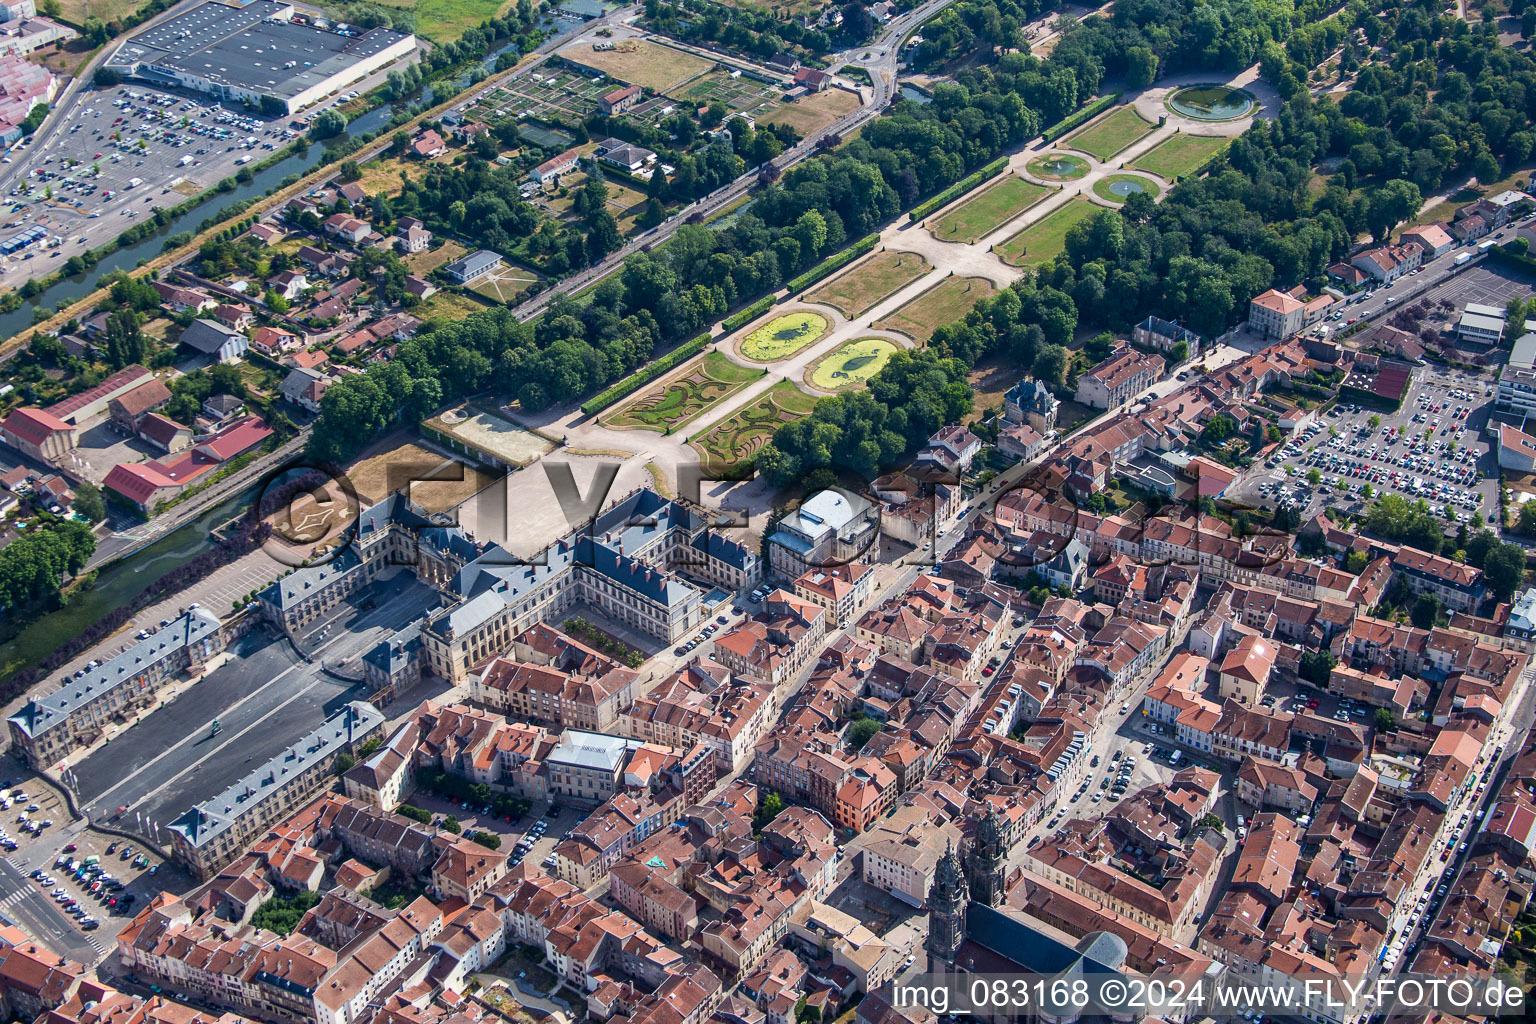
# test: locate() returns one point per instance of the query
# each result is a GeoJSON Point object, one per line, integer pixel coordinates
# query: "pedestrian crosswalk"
{"type": "Point", "coordinates": [42, 908]}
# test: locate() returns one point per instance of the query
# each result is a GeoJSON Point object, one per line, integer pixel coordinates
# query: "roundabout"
{"type": "Point", "coordinates": [1057, 167]}
{"type": "Point", "coordinates": [1117, 188]}
{"type": "Point", "coordinates": [1211, 102]}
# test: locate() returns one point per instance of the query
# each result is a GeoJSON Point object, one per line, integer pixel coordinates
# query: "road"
{"type": "Point", "coordinates": [1505, 745]}
{"type": "Point", "coordinates": [63, 103]}
{"type": "Point", "coordinates": [23, 902]}
{"type": "Point", "coordinates": [879, 59]}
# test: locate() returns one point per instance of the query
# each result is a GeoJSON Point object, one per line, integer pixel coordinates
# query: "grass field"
{"type": "Point", "coordinates": [649, 65]}
{"type": "Point", "coordinates": [383, 175]}
{"type": "Point", "coordinates": [945, 302]}
{"type": "Point", "coordinates": [1183, 154]}
{"type": "Point", "coordinates": [988, 210]}
{"type": "Point", "coordinates": [1110, 134]}
{"type": "Point", "coordinates": [853, 363]}
{"type": "Point", "coordinates": [864, 284]}
{"type": "Point", "coordinates": [444, 482]}
{"type": "Point", "coordinates": [1105, 188]}
{"type": "Point", "coordinates": [428, 260]}
{"type": "Point", "coordinates": [811, 114]}
{"type": "Point", "coordinates": [1044, 238]}
{"type": "Point", "coordinates": [1057, 167]}
{"type": "Point", "coordinates": [452, 305]}
{"type": "Point", "coordinates": [76, 11]}
{"type": "Point", "coordinates": [444, 21]}
{"type": "Point", "coordinates": [671, 402]}
{"type": "Point", "coordinates": [783, 336]}
{"type": "Point", "coordinates": [737, 440]}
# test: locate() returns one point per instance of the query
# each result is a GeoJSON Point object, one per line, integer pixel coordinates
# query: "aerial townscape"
{"type": "Point", "coordinates": [730, 512]}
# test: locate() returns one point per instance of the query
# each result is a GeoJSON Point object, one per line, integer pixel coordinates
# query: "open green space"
{"type": "Point", "coordinates": [783, 336]}
{"type": "Point", "coordinates": [1046, 237]}
{"type": "Point", "coordinates": [988, 210]}
{"type": "Point", "coordinates": [853, 363]}
{"type": "Point", "coordinates": [1057, 167]}
{"type": "Point", "coordinates": [444, 21]}
{"type": "Point", "coordinates": [669, 403]}
{"type": "Point", "coordinates": [1117, 188]}
{"type": "Point", "coordinates": [736, 440]}
{"type": "Point", "coordinates": [945, 302]}
{"type": "Point", "coordinates": [1110, 133]}
{"type": "Point", "coordinates": [864, 284]}
{"type": "Point", "coordinates": [1181, 155]}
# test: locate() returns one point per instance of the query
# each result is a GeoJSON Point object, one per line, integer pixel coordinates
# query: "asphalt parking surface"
{"type": "Point", "coordinates": [147, 149]}
{"type": "Point", "coordinates": [1337, 448]}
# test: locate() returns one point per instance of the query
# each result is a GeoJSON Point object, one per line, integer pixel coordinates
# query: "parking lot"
{"type": "Point", "coordinates": [1432, 448]}
{"type": "Point", "coordinates": [114, 157]}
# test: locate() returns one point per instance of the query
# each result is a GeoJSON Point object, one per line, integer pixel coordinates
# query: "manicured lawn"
{"type": "Point", "coordinates": [945, 302]}
{"type": "Point", "coordinates": [505, 284]}
{"type": "Point", "coordinates": [1117, 188]}
{"type": "Point", "coordinates": [737, 440]}
{"type": "Point", "coordinates": [1045, 238]}
{"type": "Point", "coordinates": [783, 336]}
{"type": "Point", "coordinates": [1181, 155]}
{"type": "Point", "coordinates": [1057, 166]}
{"type": "Point", "coordinates": [988, 210]}
{"type": "Point", "coordinates": [669, 403]}
{"type": "Point", "coordinates": [864, 284]}
{"type": "Point", "coordinates": [853, 363]}
{"type": "Point", "coordinates": [646, 64]}
{"type": "Point", "coordinates": [1110, 133]}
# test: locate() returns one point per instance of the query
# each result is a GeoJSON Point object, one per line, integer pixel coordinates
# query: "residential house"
{"type": "Point", "coordinates": [211, 338]}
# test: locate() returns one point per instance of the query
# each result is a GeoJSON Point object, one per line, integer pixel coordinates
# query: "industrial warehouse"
{"type": "Point", "coordinates": [258, 54]}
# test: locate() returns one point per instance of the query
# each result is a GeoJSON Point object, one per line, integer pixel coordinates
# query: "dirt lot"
{"type": "Point", "coordinates": [373, 477]}
{"type": "Point", "coordinates": [814, 113]}
{"type": "Point", "coordinates": [648, 64]}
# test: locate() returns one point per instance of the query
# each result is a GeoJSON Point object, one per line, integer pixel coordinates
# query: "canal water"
{"type": "Point", "coordinates": [80, 285]}
{"type": "Point", "coordinates": [119, 582]}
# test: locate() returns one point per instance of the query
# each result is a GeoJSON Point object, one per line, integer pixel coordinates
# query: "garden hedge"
{"type": "Point", "coordinates": [958, 189]}
{"type": "Point", "coordinates": [645, 375]}
{"type": "Point", "coordinates": [1080, 118]}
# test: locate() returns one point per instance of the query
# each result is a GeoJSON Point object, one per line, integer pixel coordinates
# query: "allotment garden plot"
{"type": "Point", "coordinates": [864, 284]}
{"type": "Point", "coordinates": [558, 94]}
{"type": "Point", "coordinates": [1110, 133]}
{"type": "Point", "coordinates": [1181, 155]}
{"type": "Point", "coordinates": [944, 303]}
{"type": "Point", "coordinates": [736, 440]}
{"type": "Point", "coordinates": [739, 95]}
{"type": "Point", "coordinates": [988, 210]}
{"type": "Point", "coordinates": [853, 363]}
{"type": "Point", "coordinates": [783, 336]}
{"type": "Point", "coordinates": [670, 403]}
